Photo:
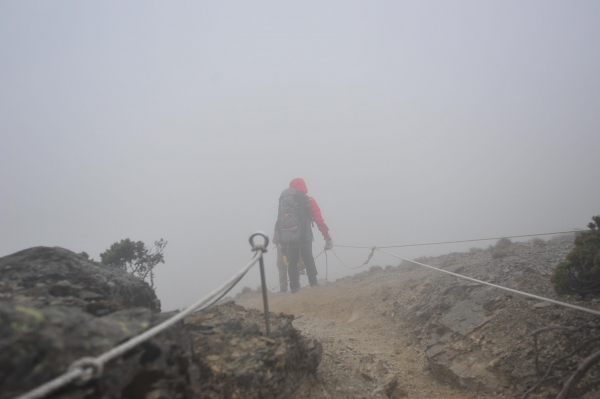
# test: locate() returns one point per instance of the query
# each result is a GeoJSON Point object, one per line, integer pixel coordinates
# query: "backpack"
{"type": "Point", "coordinates": [294, 218]}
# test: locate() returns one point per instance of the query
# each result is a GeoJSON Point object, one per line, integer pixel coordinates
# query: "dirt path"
{"type": "Point", "coordinates": [363, 348]}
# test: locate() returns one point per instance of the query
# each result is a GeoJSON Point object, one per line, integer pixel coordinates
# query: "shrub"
{"type": "Point", "coordinates": [537, 242]}
{"type": "Point", "coordinates": [579, 273]}
{"type": "Point", "coordinates": [375, 268]}
{"type": "Point", "coordinates": [499, 253]}
{"type": "Point", "coordinates": [135, 258]}
{"type": "Point", "coordinates": [500, 250]}
{"type": "Point", "coordinates": [246, 290]}
{"type": "Point", "coordinates": [475, 250]}
{"type": "Point", "coordinates": [503, 243]}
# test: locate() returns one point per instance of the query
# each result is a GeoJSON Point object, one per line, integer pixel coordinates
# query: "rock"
{"type": "Point", "coordinates": [391, 388]}
{"type": "Point", "coordinates": [38, 345]}
{"type": "Point", "coordinates": [242, 362]}
{"type": "Point", "coordinates": [64, 277]}
{"type": "Point", "coordinates": [367, 359]}
{"type": "Point", "coordinates": [476, 336]}
{"type": "Point", "coordinates": [380, 368]}
{"type": "Point", "coordinates": [364, 375]}
{"type": "Point", "coordinates": [527, 369]}
{"type": "Point", "coordinates": [57, 307]}
{"type": "Point", "coordinates": [390, 384]}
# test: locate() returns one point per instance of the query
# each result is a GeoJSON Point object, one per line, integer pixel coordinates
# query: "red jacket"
{"type": "Point", "coordinates": [299, 185]}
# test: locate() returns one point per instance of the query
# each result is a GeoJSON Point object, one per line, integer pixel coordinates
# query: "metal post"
{"type": "Point", "coordinates": [263, 281]}
{"type": "Point", "coordinates": [264, 293]}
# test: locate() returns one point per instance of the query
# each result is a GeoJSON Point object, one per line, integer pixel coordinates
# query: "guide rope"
{"type": "Point", "coordinates": [361, 265]}
{"type": "Point", "coordinates": [541, 298]}
{"type": "Point", "coordinates": [380, 249]}
{"type": "Point", "coordinates": [461, 241]}
{"type": "Point", "coordinates": [83, 370]}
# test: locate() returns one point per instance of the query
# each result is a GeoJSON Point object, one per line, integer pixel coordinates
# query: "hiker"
{"type": "Point", "coordinates": [293, 235]}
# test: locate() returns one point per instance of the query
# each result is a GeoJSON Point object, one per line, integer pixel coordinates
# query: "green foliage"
{"type": "Point", "coordinates": [135, 258]}
{"type": "Point", "coordinates": [579, 273]}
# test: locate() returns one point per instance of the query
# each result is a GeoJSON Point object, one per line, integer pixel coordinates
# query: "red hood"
{"type": "Point", "coordinates": [299, 185]}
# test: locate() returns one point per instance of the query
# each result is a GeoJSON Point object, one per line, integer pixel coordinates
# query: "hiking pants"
{"type": "Point", "coordinates": [283, 272]}
{"type": "Point", "coordinates": [292, 253]}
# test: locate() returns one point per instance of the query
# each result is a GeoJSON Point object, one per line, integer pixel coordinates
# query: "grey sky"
{"type": "Point", "coordinates": [409, 121]}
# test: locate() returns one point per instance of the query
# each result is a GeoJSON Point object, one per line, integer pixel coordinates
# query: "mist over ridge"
{"type": "Point", "coordinates": [409, 123]}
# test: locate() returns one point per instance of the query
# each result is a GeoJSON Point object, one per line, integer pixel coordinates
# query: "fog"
{"type": "Point", "coordinates": [409, 121]}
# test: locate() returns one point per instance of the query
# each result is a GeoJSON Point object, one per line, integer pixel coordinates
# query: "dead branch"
{"type": "Point", "coordinates": [545, 377]}
{"type": "Point", "coordinates": [584, 366]}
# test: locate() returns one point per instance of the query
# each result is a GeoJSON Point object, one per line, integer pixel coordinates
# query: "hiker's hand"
{"type": "Point", "coordinates": [328, 244]}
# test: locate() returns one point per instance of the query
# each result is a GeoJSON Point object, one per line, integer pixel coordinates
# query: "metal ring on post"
{"type": "Point", "coordinates": [263, 281]}
{"type": "Point", "coordinates": [263, 247]}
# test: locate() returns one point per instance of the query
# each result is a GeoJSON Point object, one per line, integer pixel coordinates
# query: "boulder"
{"type": "Point", "coordinates": [237, 359]}
{"type": "Point", "coordinates": [37, 345]}
{"type": "Point", "coordinates": [57, 307]}
{"type": "Point", "coordinates": [42, 276]}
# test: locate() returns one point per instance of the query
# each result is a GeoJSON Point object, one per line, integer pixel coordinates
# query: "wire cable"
{"type": "Point", "coordinates": [461, 241]}
{"type": "Point", "coordinates": [568, 305]}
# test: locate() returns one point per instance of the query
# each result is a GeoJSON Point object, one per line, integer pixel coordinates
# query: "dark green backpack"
{"type": "Point", "coordinates": [294, 218]}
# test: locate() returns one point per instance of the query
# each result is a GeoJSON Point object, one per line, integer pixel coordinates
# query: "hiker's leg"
{"type": "Point", "coordinates": [282, 268]}
{"type": "Point", "coordinates": [292, 252]}
{"type": "Point", "coordinates": [309, 262]}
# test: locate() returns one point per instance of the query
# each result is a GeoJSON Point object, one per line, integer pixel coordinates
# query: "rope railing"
{"type": "Point", "coordinates": [463, 241]}
{"type": "Point", "coordinates": [541, 298]}
{"type": "Point", "coordinates": [359, 266]}
{"type": "Point", "coordinates": [526, 294]}
{"type": "Point", "coordinates": [87, 368]}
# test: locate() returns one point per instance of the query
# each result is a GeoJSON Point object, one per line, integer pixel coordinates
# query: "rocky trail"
{"type": "Point", "coordinates": [405, 331]}
{"type": "Point", "coordinates": [395, 332]}
{"type": "Point", "coordinates": [363, 353]}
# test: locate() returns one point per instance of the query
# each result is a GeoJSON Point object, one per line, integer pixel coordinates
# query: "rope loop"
{"type": "Point", "coordinates": [263, 247]}
{"type": "Point", "coordinates": [92, 369]}
{"type": "Point", "coordinates": [373, 249]}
